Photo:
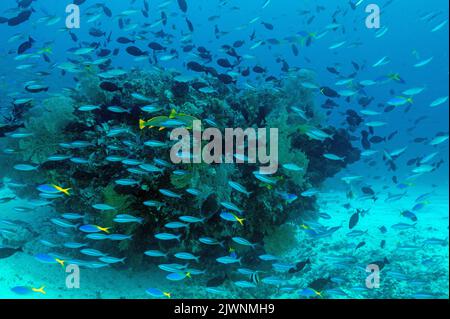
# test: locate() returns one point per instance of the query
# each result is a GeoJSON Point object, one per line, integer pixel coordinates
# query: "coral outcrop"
{"type": "Point", "coordinates": [267, 211]}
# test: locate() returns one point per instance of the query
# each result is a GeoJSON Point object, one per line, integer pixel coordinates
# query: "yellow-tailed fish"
{"type": "Point", "coordinates": [40, 290]}
{"type": "Point", "coordinates": [62, 190]}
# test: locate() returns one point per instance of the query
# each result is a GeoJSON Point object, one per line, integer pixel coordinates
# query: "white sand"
{"type": "Point", "coordinates": [24, 270]}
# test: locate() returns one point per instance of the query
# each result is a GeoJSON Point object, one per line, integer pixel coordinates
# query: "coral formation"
{"type": "Point", "coordinates": [47, 123]}
{"type": "Point", "coordinates": [281, 240]}
{"type": "Point", "coordinates": [266, 212]}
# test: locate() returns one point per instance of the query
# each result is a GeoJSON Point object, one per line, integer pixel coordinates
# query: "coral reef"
{"type": "Point", "coordinates": [47, 123]}
{"type": "Point", "coordinates": [266, 212]}
{"type": "Point", "coordinates": [281, 240]}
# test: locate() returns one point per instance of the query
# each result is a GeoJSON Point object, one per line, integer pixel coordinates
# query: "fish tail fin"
{"type": "Point", "coordinates": [172, 114]}
{"type": "Point", "coordinates": [60, 261]}
{"type": "Point", "coordinates": [104, 229]}
{"type": "Point", "coordinates": [222, 244]}
{"type": "Point", "coordinates": [319, 293]}
{"type": "Point", "coordinates": [167, 294]}
{"type": "Point", "coordinates": [40, 290]}
{"type": "Point", "coordinates": [141, 124]}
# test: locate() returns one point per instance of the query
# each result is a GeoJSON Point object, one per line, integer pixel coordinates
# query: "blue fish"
{"type": "Point", "coordinates": [97, 236]}
{"type": "Point", "coordinates": [92, 252]}
{"type": "Point", "coordinates": [118, 237]}
{"type": "Point", "coordinates": [228, 260]}
{"type": "Point", "coordinates": [169, 193]}
{"type": "Point", "coordinates": [167, 236]}
{"type": "Point", "coordinates": [93, 229]}
{"type": "Point", "coordinates": [48, 189]}
{"type": "Point", "coordinates": [154, 292]}
{"type": "Point", "coordinates": [125, 218]}
{"type": "Point", "coordinates": [177, 276]}
{"type": "Point", "coordinates": [155, 253]}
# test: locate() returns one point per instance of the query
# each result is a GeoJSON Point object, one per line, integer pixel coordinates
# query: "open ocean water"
{"type": "Point", "coordinates": [102, 196]}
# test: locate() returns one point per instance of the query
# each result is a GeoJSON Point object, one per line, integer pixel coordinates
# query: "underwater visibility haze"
{"type": "Point", "coordinates": [116, 175]}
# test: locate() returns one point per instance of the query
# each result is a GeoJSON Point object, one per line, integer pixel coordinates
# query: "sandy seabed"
{"type": "Point", "coordinates": [421, 271]}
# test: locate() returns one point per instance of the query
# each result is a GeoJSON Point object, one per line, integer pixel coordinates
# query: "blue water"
{"type": "Point", "coordinates": [413, 261]}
